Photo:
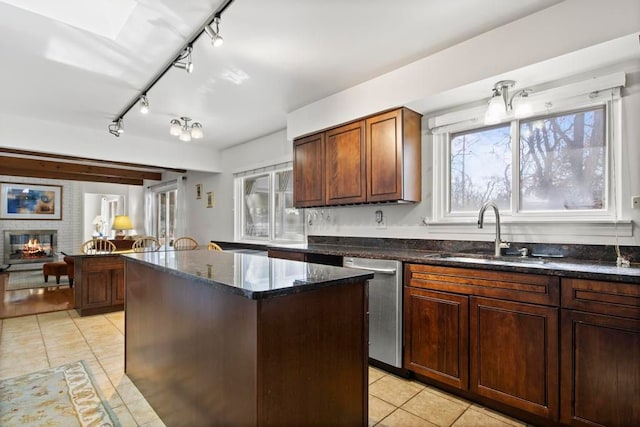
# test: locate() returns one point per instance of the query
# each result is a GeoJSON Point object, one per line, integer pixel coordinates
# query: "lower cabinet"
{"type": "Point", "coordinates": [436, 336]}
{"type": "Point", "coordinates": [474, 330]}
{"type": "Point", "coordinates": [99, 284]}
{"type": "Point", "coordinates": [514, 354]}
{"type": "Point", "coordinates": [600, 353]}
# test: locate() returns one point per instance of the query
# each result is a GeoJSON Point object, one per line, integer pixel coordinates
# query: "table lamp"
{"type": "Point", "coordinates": [121, 223]}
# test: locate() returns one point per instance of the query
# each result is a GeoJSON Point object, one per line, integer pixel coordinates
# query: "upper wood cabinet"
{"type": "Point", "coordinates": [345, 160]}
{"type": "Point", "coordinates": [375, 159]}
{"type": "Point", "coordinates": [394, 156]}
{"type": "Point", "coordinates": [308, 171]}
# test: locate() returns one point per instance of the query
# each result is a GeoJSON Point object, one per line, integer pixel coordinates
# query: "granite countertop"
{"type": "Point", "coordinates": [564, 267]}
{"type": "Point", "coordinates": [253, 276]}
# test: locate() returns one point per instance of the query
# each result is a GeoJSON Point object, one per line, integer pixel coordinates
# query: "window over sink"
{"type": "Point", "coordinates": [264, 206]}
{"type": "Point", "coordinates": [558, 164]}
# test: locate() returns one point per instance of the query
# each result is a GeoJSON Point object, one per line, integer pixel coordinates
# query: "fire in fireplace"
{"type": "Point", "coordinates": [25, 246]}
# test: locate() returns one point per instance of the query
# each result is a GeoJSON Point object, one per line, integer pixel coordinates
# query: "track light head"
{"type": "Point", "coordinates": [143, 103]}
{"type": "Point", "coordinates": [184, 60]}
{"type": "Point", "coordinates": [116, 127]}
{"type": "Point", "coordinates": [214, 33]}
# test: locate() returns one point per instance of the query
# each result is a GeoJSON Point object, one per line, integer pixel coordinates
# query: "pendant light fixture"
{"type": "Point", "coordinates": [184, 60]}
{"type": "Point", "coordinates": [185, 131]}
{"type": "Point", "coordinates": [501, 105]}
{"type": "Point", "coordinates": [216, 38]}
{"type": "Point", "coordinates": [143, 103]}
{"type": "Point", "coordinates": [116, 128]}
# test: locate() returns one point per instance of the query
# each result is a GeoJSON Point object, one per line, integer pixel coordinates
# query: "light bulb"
{"type": "Point", "coordinates": [144, 104]}
{"type": "Point", "coordinates": [217, 41]}
{"type": "Point", "coordinates": [185, 135]}
{"type": "Point", "coordinates": [176, 128]}
{"type": "Point", "coordinates": [196, 131]}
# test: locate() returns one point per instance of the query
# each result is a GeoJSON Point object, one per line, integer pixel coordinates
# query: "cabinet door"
{"type": "Point", "coordinates": [97, 289]}
{"type": "Point", "coordinates": [600, 383]}
{"type": "Point", "coordinates": [117, 283]}
{"type": "Point", "coordinates": [345, 165]}
{"type": "Point", "coordinates": [384, 151]}
{"type": "Point", "coordinates": [514, 354]}
{"type": "Point", "coordinates": [308, 171]}
{"type": "Point", "coordinates": [436, 335]}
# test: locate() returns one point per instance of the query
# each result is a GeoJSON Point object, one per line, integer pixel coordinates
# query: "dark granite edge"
{"type": "Point", "coordinates": [562, 267]}
{"type": "Point", "coordinates": [357, 276]}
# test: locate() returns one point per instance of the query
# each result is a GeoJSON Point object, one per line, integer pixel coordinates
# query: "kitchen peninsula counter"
{"type": "Point", "coordinates": [218, 338]}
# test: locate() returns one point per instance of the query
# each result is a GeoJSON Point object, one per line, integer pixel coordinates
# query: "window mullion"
{"type": "Point", "coordinates": [515, 168]}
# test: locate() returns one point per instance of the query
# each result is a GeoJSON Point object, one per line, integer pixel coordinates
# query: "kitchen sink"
{"type": "Point", "coordinates": [485, 258]}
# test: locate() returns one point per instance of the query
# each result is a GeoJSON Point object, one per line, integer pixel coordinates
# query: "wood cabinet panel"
{"type": "Point", "coordinates": [514, 354]}
{"type": "Point", "coordinates": [616, 299]}
{"type": "Point", "coordinates": [531, 288]}
{"type": "Point", "coordinates": [309, 171]}
{"type": "Point", "coordinates": [345, 165]}
{"type": "Point", "coordinates": [99, 284]}
{"type": "Point", "coordinates": [117, 283]}
{"type": "Point", "coordinates": [600, 362]}
{"type": "Point", "coordinates": [394, 162]}
{"type": "Point", "coordinates": [97, 289]}
{"type": "Point", "coordinates": [436, 335]}
{"type": "Point", "coordinates": [375, 159]}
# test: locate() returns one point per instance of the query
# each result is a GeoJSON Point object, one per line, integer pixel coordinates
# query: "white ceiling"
{"type": "Point", "coordinates": [81, 65]}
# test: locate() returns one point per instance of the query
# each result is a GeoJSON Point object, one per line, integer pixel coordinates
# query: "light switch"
{"type": "Point", "coordinates": [635, 202]}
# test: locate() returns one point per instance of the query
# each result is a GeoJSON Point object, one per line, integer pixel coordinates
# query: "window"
{"type": "Point", "coordinates": [164, 215]}
{"type": "Point", "coordinates": [562, 159]}
{"type": "Point", "coordinates": [264, 206]}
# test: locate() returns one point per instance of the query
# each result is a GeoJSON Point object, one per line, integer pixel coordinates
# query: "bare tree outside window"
{"type": "Point", "coordinates": [562, 161]}
{"type": "Point", "coordinates": [480, 168]}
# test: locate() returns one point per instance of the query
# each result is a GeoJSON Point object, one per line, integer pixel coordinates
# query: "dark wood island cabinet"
{"type": "Point", "coordinates": [216, 338]}
{"type": "Point", "coordinates": [99, 286]}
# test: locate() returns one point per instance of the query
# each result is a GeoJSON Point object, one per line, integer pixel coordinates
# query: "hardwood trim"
{"type": "Point", "coordinates": [86, 159]}
{"type": "Point", "coordinates": [68, 176]}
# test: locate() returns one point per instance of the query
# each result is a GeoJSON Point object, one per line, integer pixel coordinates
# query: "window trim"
{"type": "Point", "coordinates": [239, 218]}
{"type": "Point", "coordinates": [566, 99]}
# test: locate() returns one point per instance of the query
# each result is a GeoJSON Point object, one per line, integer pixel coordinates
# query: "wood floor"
{"type": "Point", "coordinates": [23, 302]}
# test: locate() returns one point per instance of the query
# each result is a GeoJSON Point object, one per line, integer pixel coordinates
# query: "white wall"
{"type": "Point", "coordinates": [205, 224]}
{"type": "Point", "coordinates": [48, 137]}
{"type": "Point", "coordinates": [553, 33]}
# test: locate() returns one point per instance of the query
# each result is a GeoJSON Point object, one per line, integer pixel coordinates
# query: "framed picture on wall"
{"type": "Point", "coordinates": [30, 201]}
{"type": "Point", "coordinates": [210, 199]}
{"type": "Point", "coordinates": [198, 191]}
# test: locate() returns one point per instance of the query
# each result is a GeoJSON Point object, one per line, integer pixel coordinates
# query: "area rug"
{"type": "Point", "coordinates": [32, 279]}
{"type": "Point", "coordinates": [62, 396]}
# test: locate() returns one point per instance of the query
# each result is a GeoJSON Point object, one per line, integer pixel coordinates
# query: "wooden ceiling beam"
{"type": "Point", "coordinates": [39, 173]}
{"type": "Point", "coordinates": [86, 159]}
{"type": "Point", "coordinates": [75, 168]}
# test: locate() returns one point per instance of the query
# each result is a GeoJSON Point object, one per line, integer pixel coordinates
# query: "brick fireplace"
{"type": "Point", "coordinates": [29, 246]}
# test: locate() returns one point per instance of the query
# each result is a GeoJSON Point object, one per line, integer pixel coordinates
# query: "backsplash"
{"type": "Point", "coordinates": [605, 253]}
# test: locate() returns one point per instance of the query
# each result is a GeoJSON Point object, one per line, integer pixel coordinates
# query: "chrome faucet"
{"type": "Point", "coordinates": [499, 243]}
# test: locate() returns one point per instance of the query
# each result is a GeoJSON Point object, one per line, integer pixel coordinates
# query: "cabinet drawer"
{"type": "Point", "coordinates": [102, 263]}
{"type": "Point", "coordinates": [532, 288]}
{"type": "Point", "coordinates": [616, 299]}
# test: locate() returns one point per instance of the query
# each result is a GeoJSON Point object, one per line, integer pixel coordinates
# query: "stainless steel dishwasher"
{"type": "Point", "coordinates": [385, 308]}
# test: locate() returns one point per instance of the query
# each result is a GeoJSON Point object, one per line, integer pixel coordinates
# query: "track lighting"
{"type": "Point", "coordinates": [216, 38]}
{"type": "Point", "coordinates": [143, 102]}
{"type": "Point", "coordinates": [184, 61]}
{"type": "Point", "coordinates": [116, 127]}
{"type": "Point", "coordinates": [500, 105]}
{"type": "Point", "coordinates": [186, 57]}
{"type": "Point", "coordinates": [185, 132]}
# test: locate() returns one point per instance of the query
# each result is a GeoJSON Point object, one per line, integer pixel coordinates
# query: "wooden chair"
{"type": "Point", "coordinates": [97, 246]}
{"type": "Point", "coordinates": [146, 244]}
{"type": "Point", "coordinates": [185, 244]}
{"type": "Point", "coordinates": [213, 247]}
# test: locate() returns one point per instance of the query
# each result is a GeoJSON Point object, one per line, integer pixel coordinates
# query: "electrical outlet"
{"type": "Point", "coordinates": [635, 202]}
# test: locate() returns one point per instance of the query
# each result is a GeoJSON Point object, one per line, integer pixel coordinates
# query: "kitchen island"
{"type": "Point", "coordinates": [217, 338]}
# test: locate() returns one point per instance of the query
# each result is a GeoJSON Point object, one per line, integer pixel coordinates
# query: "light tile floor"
{"type": "Point", "coordinates": [33, 343]}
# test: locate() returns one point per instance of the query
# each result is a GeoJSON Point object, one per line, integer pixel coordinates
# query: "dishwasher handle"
{"type": "Point", "coordinates": [375, 270]}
